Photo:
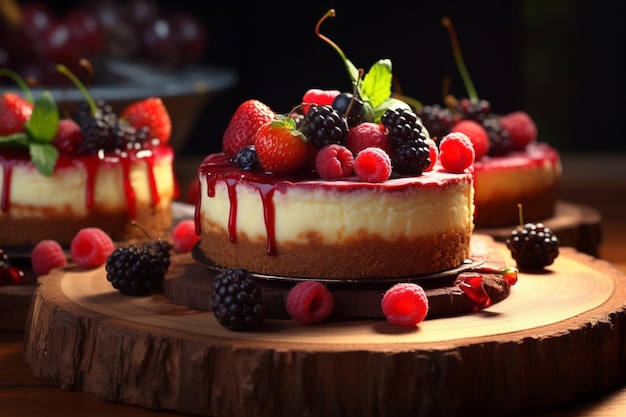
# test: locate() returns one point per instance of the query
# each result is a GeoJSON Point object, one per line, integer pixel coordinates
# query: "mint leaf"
{"type": "Point", "coordinates": [44, 156]}
{"type": "Point", "coordinates": [376, 86]}
{"type": "Point", "coordinates": [14, 139]}
{"type": "Point", "coordinates": [390, 103]}
{"type": "Point", "coordinates": [44, 122]}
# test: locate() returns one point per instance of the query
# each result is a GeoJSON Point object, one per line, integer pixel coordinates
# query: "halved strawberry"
{"type": "Point", "coordinates": [15, 110]}
{"type": "Point", "coordinates": [150, 112]}
{"type": "Point", "coordinates": [248, 117]}
{"type": "Point", "coordinates": [280, 147]}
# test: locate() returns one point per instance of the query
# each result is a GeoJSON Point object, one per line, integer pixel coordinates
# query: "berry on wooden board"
{"type": "Point", "coordinates": [309, 302]}
{"type": "Point", "coordinates": [405, 304]}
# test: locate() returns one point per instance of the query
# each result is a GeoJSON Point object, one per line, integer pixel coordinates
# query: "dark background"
{"type": "Point", "coordinates": [562, 61]}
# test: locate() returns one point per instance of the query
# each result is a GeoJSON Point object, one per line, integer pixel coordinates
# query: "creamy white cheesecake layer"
{"type": "Point", "coordinates": [391, 210]}
{"type": "Point", "coordinates": [66, 191]}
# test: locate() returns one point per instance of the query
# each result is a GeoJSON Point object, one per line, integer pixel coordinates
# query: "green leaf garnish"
{"type": "Point", "coordinates": [44, 122]}
{"type": "Point", "coordinates": [41, 128]}
{"type": "Point", "coordinates": [375, 88]}
{"type": "Point", "coordinates": [44, 156]}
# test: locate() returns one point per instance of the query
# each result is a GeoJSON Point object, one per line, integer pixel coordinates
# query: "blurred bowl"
{"type": "Point", "coordinates": [184, 92]}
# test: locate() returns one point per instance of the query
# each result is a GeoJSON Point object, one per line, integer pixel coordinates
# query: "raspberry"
{"type": "Point", "coordinates": [521, 128]}
{"type": "Point", "coordinates": [91, 247]}
{"type": "Point", "coordinates": [476, 133]}
{"type": "Point", "coordinates": [456, 152]}
{"type": "Point", "coordinates": [365, 135]}
{"type": "Point", "coordinates": [372, 165]}
{"type": "Point", "coordinates": [237, 301]}
{"type": "Point", "coordinates": [184, 236]}
{"type": "Point", "coordinates": [334, 161]}
{"type": "Point", "coordinates": [319, 97]}
{"type": "Point", "coordinates": [69, 136]}
{"type": "Point", "coordinates": [309, 302]}
{"type": "Point", "coordinates": [434, 154]}
{"type": "Point", "coordinates": [47, 255]}
{"type": "Point", "coordinates": [405, 304]}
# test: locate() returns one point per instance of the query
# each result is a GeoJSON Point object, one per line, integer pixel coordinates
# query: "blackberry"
{"type": "Point", "coordinates": [474, 109]}
{"type": "Point", "coordinates": [437, 120]}
{"type": "Point", "coordinates": [533, 246]}
{"type": "Point", "coordinates": [323, 126]}
{"type": "Point", "coordinates": [139, 270]}
{"type": "Point", "coordinates": [356, 115]}
{"type": "Point", "coordinates": [408, 141]}
{"type": "Point", "coordinates": [98, 129]}
{"type": "Point", "coordinates": [128, 138]}
{"type": "Point", "coordinates": [237, 302]}
{"type": "Point", "coordinates": [411, 159]}
{"type": "Point", "coordinates": [247, 158]}
{"type": "Point", "coordinates": [500, 142]}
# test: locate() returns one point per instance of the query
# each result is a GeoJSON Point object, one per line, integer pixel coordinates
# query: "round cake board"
{"type": "Point", "coordinates": [190, 279]}
{"type": "Point", "coordinates": [557, 339]}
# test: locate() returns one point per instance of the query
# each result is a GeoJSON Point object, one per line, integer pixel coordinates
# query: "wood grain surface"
{"type": "Point", "coordinates": [569, 320]}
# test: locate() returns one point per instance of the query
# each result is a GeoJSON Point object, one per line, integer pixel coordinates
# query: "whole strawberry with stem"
{"type": "Point", "coordinates": [14, 112]}
{"type": "Point", "coordinates": [249, 116]}
{"type": "Point", "coordinates": [280, 146]}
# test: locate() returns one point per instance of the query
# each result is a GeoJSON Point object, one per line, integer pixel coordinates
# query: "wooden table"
{"type": "Point", "coordinates": [590, 180]}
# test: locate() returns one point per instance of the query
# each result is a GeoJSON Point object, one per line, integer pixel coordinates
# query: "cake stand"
{"type": "Point", "coordinates": [557, 339]}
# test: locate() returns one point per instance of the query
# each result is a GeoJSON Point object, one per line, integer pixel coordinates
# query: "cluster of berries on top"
{"type": "Point", "coordinates": [365, 133]}
{"type": "Point", "coordinates": [491, 134]}
{"type": "Point", "coordinates": [92, 128]}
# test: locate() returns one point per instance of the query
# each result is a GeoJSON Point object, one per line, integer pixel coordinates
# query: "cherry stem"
{"type": "Point", "coordinates": [137, 225]}
{"type": "Point", "coordinates": [65, 71]}
{"type": "Point", "coordinates": [521, 214]}
{"type": "Point", "coordinates": [456, 50]}
{"type": "Point", "coordinates": [329, 13]}
{"type": "Point", "coordinates": [19, 81]}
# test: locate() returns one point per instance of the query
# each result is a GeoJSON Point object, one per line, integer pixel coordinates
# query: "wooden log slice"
{"type": "Point", "coordinates": [575, 225]}
{"type": "Point", "coordinates": [557, 339]}
{"type": "Point", "coordinates": [190, 283]}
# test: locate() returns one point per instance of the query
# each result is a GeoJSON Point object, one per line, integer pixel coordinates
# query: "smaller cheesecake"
{"type": "Point", "coordinates": [108, 192]}
{"type": "Point", "coordinates": [530, 178]}
{"type": "Point", "coordinates": [337, 229]}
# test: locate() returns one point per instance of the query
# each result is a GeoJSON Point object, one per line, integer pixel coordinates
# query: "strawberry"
{"type": "Point", "coordinates": [248, 117]}
{"type": "Point", "coordinates": [14, 112]}
{"type": "Point", "coordinates": [150, 112]}
{"type": "Point", "coordinates": [280, 147]}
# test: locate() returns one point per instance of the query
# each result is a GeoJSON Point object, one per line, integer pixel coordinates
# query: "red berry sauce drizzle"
{"type": "Point", "coordinates": [218, 167]}
{"type": "Point", "coordinates": [230, 174]}
{"type": "Point", "coordinates": [471, 283]}
{"type": "Point", "coordinates": [91, 164]}
{"type": "Point", "coordinates": [10, 274]}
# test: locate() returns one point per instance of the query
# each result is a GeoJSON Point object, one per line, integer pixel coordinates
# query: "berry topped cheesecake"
{"type": "Point", "coordinates": [94, 169]}
{"type": "Point", "coordinates": [347, 186]}
{"type": "Point", "coordinates": [511, 166]}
